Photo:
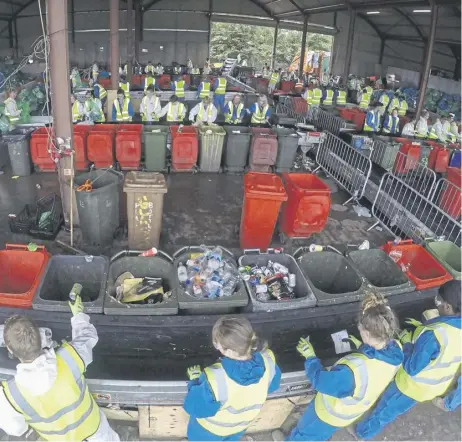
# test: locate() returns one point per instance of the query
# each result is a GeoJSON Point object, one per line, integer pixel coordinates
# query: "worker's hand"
{"type": "Point", "coordinates": [194, 372]}
{"type": "Point", "coordinates": [305, 349]}
{"type": "Point", "coordinates": [405, 336]}
{"type": "Point", "coordinates": [77, 306]}
{"type": "Point", "coordinates": [413, 322]}
{"type": "Point", "coordinates": [355, 341]}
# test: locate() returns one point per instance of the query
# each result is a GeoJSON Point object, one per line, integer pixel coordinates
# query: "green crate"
{"type": "Point", "coordinates": [155, 147]}
{"type": "Point", "coordinates": [448, 254]}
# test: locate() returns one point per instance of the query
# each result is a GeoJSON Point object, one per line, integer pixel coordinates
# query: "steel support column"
{"type": "Point", "coordinates": [427, 61]}
{"type": "Point", "coordinates": [16, 38]}
{"type": "Point", "coordinates": [382, 50]}
{"type": "Point", "coordinates": [275, 41]}
{"type": "Point", "coordinates": [10, 34]}
{"type": "Point", "coordinates": [349, 45]}
{"type": "Point", "coordinates": [138, 29]}
{"type": "Point", "coordinates": [114, 18]}
{"type": "Point", "coordinates": [72, 21]}
{"type": "Point", "coordinates": [129, 39]}
{"type": "Point", "coordinates": [303, 49]}
{"type": "Point", "coordinates": [59, 72]}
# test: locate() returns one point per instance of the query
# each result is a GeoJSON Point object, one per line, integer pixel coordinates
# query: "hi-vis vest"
{"type": "Point", "coordinates": [91, 104]}
{"type": "Point", "coordinates": [374, 127]}
{"type": "Point", "coordinates": [122, 115]}
{"type": "Point", "coordinates": [66, 412]}
{"type": "Point", "coordinates": [102, 93]}
{"type": "Point", "coordinates": [437, 376]}
{"type": "Point", "coordinates": [205, 89]}
{"type": "Point", "coordinates": [12, 118]}
{"type": "Point", "coordinates": [394, 104]}
{"type": "Point", "coordinates": [390, 123]}
{"type": "Point", "coordinates": [76, 115]}
{"type": "Point", "coordinates": [171, 115]}
{"type": "Point", "coordinates": [179, 88]}
{"type": "Point", "coordinates": [369, 90]}
{"type": "Point", "coordinates": [317, 95]}
{"type": "Point", "coordinates": [371, 379]}
{"type": "Point", "coordinates": [341, 98]}
{"type": "Point", "coordinates": [149, 68]}
{"type": "Point", "coordinates": [126, 88]}
{"type": "Point", "coordinates": [229, 116]}
{"type": "Point", "coordinates": [365, 100]}
{"type": "Point", "coordinates": [274, 78]}
{"type": "Point", "coordinates": [221, 88]}
{"type": "Point", "coordinates": [259, 117]}
{"type": "Point", "coordinates": [240, 404]}
{"type": "Point", "coordinates": [201, 113]}
{"type": "Point", "coordinates": [144, 116]}
{"type": "Point", "coordinates": [309, 96]}
{"type": "Point", "coordinates": [384, 100]}
{"type": "Point", "coordinates": [148, 81]}
{"type": "Point", "coordinates": [329, 97]}
{"type": "Point", "coordinates": [432, 135]}
{"type": "Point", "coordinates": [402, 108]}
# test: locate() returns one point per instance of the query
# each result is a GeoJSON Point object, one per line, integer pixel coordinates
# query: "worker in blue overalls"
{"type": "Point", "coordinates": [432, 357]}
{"type": "Point", "coordinates": [353, 385]}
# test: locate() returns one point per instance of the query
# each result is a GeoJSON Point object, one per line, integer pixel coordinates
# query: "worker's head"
{"type": "Point", "coordinates": [73, 99]}
{"type": "Point", "coordinates": [262, 100]}
{"type": "Point", "coordinates": [149, 62]}
{"type": "Point", "coordinates": [159, 64]}
{"type": "Point", "coordinates": [236, 99]}
{"type": "Point", "coordinates": [205, 78]}
{"type": "Point", "coordinates": [173, 99]}
{"type": "Point", "coordinates": [425, 115]}
{"type": "Point", "coordinates": [377, 322]}
{"type": "Point", "coordinates": [123, 79]}
{"type": "Point", "coordinates": [150, 74]}
{"type": "Point", "coordinates": [150, 90]}
{"type": "Point", "coordinates": [22, 338]}
{"type": "Point", "coordinates": [206, 100]}
{"type": "Point", "coordinates": [177, 78]}
{"type": "Point", "coordinates": [394, 112]}
{"type": "Point", "coordinates": [120, 94]}
{"type": "Point", "coordinates": [12, 93]}
{"type": "Point", "coordinates": [89, 95]}
{"type": "Point", "coordinates": [447, 300]}
{"type": "Point", "coordinates": [451, 117]}
{"type": "Point", "coordinates": [234, 338]}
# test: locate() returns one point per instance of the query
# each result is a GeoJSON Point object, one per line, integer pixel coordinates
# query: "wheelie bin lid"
{"type": "Point", "coordinates": [152, 182]}
{"type": "Point", "coordinates": [264, 186]}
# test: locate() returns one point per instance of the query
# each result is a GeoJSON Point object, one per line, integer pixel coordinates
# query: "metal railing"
{"type": "Point", "coordinates": [283, 109]}
{"type": "Point", "coordinates": [327, 121]}
{"type": "Point", "coordinates": [346, 165]}
{"type": "Point", "coordinates": [403, 211]}
{"type": "Point", "coordinates": [448, 197]}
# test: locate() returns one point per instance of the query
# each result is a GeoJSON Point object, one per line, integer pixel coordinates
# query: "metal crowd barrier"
{"type": "Point", "coordinates": [283, 109]}
{"type": "Point", "coordinates": [326, 121]}
{"type": "Point", "coordinates": [348, 166]}
{"type": "Point", "coordinates": [448, 197]}
{"type": "Point", "coordinates": [403, 211]}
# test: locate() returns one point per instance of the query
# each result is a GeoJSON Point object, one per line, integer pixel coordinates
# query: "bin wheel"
{"type": "Point", "coordinates": [117, 166]}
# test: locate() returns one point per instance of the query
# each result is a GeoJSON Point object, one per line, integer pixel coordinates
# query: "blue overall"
{"type": "Point", "coordinates": [393, 403]}
{"type": "Point", "coordinates": [200, 401]}
{"type": "Point", "coordinates": [338, 382]}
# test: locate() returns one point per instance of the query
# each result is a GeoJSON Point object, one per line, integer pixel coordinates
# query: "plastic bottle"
{"type": "Point", "coordinates": [230, 286]}
{"type": "Point", "coordinates": [215, 259]}
{"type": "Point", "coordinates": [182, 273]}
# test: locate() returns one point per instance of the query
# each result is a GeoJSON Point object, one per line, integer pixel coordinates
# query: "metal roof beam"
{"type": "Point", "coordinates": [264, 8]}
{"type": "Point", "coordinates": [418, 39]}
{"type": "Point", "coordinates": [411, 22]}
{"type": "Point", "coordinates": [371, 24]}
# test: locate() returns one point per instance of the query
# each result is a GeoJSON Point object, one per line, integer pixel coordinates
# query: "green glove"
{"type": "Point", "coordinates": [305, 349]}
{"type": "Point", "coordinates": [413, 322]}
{"type": "Point", "coordinates": [355, 341]}
{"type": "Point", "coordinates": [194, 372]}
{"type": "Point", "coordinates": [77, 306]}
{"type": "Point", "coordinates": [405, 336]}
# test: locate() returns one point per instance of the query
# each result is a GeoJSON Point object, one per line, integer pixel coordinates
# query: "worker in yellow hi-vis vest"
{"type": "Point", "coordinates": [49, 392]}
{"type": "Point", "coordinates": [225, 398]}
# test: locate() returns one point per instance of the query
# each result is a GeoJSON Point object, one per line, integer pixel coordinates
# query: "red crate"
{"type": "Point", "coordinates": [187, 79]}
{"type": "Point", "coordinates": [39, 146]}
{"type": "Point", "coordinates": [100, 145]}
{"type": "Point", "coordinates": [106, 83]}
{"type": "Point", "coordinates": [263, 149]}
{"type": "Point", "coordinates": [263, 196]}
{"type": "Point", "coordinates": [287, 86]}
{"type": "Point", "coordinates": [164, 82]}
{"type": "Point", "coordinates": [128, 145]}
{"type": "Point", "coordinates": [185, 148]}
{"type": "Point", "coordinates": [408, 159]}
{"type": "Point", "coordinates": [300, 105]}
{"type": "Point", "coordinates": [439, 157]}
{"type": "Point", "coordinates": [418, 264]}
{"type": "Point", "coordinates": [21, 274]}
{"type": "Point", "coordinates": [80, 146]}
{"type": "Point", "coordinates": [450, 200]}
{"type": "Point", "coordinates": [137, 80]}
{"type": "Point", "coordinates": [307, 207]}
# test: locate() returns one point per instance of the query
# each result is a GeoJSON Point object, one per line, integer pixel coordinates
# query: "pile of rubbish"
{"type": "Point", "coordinates": [208, 275]}
{"type": "Point", "coordinates": [131, 290]}
{"type": "Point", "coordinates": [272, 282]}
{"type": "Point", "coordinates": [34, 97]}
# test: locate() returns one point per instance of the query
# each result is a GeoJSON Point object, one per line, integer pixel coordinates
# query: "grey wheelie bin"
{"type": "Point", "coordinates": [287, 149]}
{"type": "Point", "coordinates": [155, 147]}
{"type": "Point", "coordinates": [237, 148]}
{"type": "Point", "coordinates": [18, 141]}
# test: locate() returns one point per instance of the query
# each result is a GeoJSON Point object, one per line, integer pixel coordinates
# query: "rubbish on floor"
{"type": "Point", "coordinates": [208, 275]}
{"type": "Point", "coordinates": [131, 290]}
{"type": "Point", "coordinates": [362, 211]}
{"type": "Point", "coordinates": [270, 282]}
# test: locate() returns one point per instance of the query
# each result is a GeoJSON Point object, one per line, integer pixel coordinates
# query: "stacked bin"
{"type": "Point", "coordinates": [385, 155]}
{"type": "Point", "coordinates": [418, 264]}
{"type": "Point", "coordinates": [145, 199]}
{"type": "Point", "coordinates": [263, 196]}
{"type": "Point", "coordinates": [39, 150]}
{"type": "Point", "coordinates": [237, 148]}
{"type": "Point", "coordinates": [18, 141]}
{"type": "Point", "coordinates": [100, 145]}
{"type": "Point", "coordinates": [21, 273]}
{"type": "Point", "coordinates": [308, 205]}
{"type": "Point", "coordinates": [287, 149]}
{"type": "Point", "coordinates": [263, 149]}
{"type": "Point", "coordinates": [184, 148]}
{"type": "Point", "coordinates": [155, 148]}
{"type": "Point", "coordinates": [80, 146]}
{"type": "Point", "coordinates": [128, 146]}
{"type": "Point", "coordinates": [211, 140]}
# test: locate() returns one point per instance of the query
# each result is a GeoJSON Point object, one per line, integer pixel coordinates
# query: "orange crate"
{"type": "Point", "coordinates": [80, 146]}
{"type": "Point", "coordinates": [39, 145]}
{"type": "Point", "coordinates": [128, 145]}
{"type": "Point", "coordinates": [100, 145]}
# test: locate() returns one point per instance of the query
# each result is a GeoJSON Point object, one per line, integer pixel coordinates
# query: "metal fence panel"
{"type": "Point", "coordinates": [349, 167]}
{"type": "Point", "coordinates": [329, 122]}
{"type": "Point", "coordinates": [403, 211]}
{"type": "Point", "coordinates": [448, 197]}
{"type": "Point", "coordinates": [283, 109]}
